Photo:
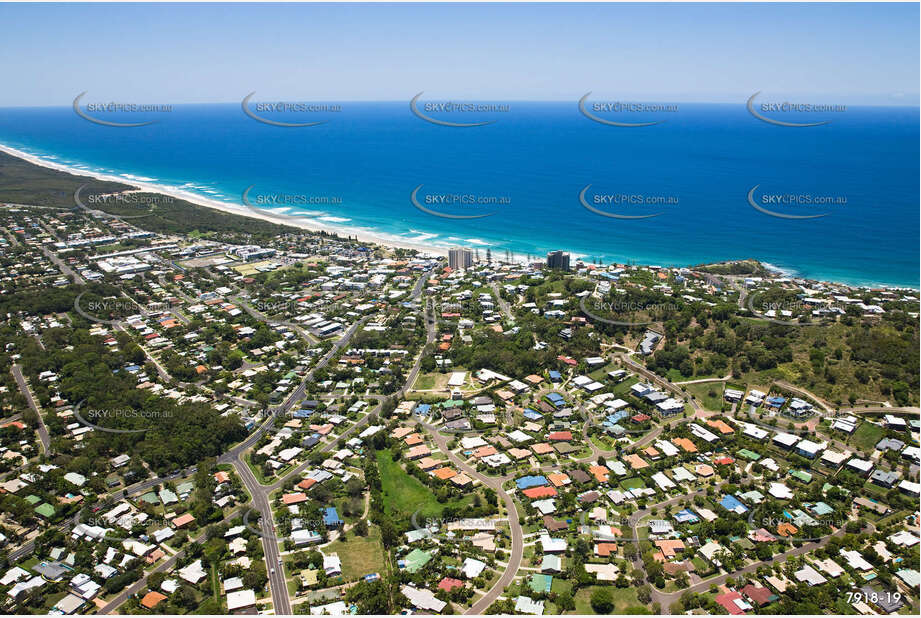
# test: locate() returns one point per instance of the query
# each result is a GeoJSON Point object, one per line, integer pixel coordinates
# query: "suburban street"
{"type": "Point", "coordinates": [27, 393]}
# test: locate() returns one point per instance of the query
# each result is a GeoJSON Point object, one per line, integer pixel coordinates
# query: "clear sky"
{"type": "Point", "coordinates": [192, 53]}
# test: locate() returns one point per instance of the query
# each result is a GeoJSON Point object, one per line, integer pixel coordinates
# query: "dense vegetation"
{"type": "Point", "coordinates": [165, 434]}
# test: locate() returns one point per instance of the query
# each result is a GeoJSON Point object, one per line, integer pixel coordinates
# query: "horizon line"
{"type": "Point", "coordinates": [465, 100]}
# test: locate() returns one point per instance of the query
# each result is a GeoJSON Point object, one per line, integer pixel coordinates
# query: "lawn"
{"type": "Point", "coordinates": [360, 555]}
{"type": "Point", "coordinates": [624, 599]}
{"type": "Point", "coordinates": [425, 382]}
{"type": "Point", "coordinates": [623, 388]}
{"type": "Point", "coordinates": [866, 437]}
{"type": "Point", "coordinates": [601, 373]}
{"type": "Point", "coordinates": [702, 393]}
{"type": "Point", "coordinates": [603, 442]}
{"type": "Point", "coordinates": [405, 494]}
{"type": "Point", "coordinates": [700, 564]}
{"type": "Point", "coordinates": [632, 483]}
{"type": "Point", "coordinates": [674, 375]}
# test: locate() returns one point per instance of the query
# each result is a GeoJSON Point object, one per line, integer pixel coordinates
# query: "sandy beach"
{"type": "Point", "coordinates": [364, 235]}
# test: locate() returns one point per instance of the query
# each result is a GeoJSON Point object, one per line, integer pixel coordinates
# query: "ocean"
{"type": "Point", "coordinates": [711, 174]}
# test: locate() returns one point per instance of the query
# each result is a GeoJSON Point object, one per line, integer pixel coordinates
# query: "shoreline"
{"type": "Point", "coordinates": [363, 235]}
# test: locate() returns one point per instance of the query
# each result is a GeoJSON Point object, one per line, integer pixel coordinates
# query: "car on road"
{"type": "Point", "coordinates": [272, 570]}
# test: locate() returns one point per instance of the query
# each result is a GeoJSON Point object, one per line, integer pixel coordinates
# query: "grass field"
{"type": "Point", "coordinates": [632, 483]}
{"type": "Point", "coordinates": [360, 555]}
{"type": "Point", "coordinates": [623, 388]}
{"type": "Point", "coordinates": [624, 599]}
{"type": "Point", "coordinates": [866, 436]}
{"type": "Point", "coordinates": [405, 494]}
{"type": "Point", "coordinates": [701, 391]}
{"type": "Point", "coordinates": [425, 382]}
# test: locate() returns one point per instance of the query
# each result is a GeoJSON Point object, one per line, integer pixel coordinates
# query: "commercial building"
{"type": "Point", "coordinates": [460, 258]}
{"type": "Point", "coordinates": [558, 260]}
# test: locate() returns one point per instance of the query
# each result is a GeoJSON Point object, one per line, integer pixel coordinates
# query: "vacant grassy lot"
{"type": "Point", "coordinates": [405, 494]}
{"type": "Point", "coordinates": [632, 483]}
{"type": "Point", "coordinates": [425, 382]}
{"type": "Point", "coordinates": [702, 392]}
{"type": "Point", "coordinates": [360, 555]}
{"type": "Point", "coordinates": [866, 437]}
{"type": "Point", "coordinates": [624, 599]}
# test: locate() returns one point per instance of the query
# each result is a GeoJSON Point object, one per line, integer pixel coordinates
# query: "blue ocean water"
{"type": "Point", "coordinates": [700, 163]}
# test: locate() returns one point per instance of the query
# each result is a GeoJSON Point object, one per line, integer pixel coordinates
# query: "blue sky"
{"type": "Point", "coordinates": [193, 53]}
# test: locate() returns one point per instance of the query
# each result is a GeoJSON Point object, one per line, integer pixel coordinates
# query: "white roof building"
{"type": "Point", "coordinates": [551, 545]}
{"type": "Point", "coordinates": [810, 576]}
{"type": "Point", "coordinates": [829, 567]}
{"type": "Point", "coordinates": [663, 481]}
{"type": "Point", "coordinates": [785, 440]}
{"type": "Point", "coordinates": [421, 598]}
{"type": "Point", "coordinates": [860, 465]}
{"type": "Point", "coordinates": [240, 599]}
{"type": "Point", "coordinates": [834, 457]}
{"type": "Point", "coordinates": [526, 605]}
{"type": "Point", "coordinates": [702, 433]}
{"type": "Point", "coordinates": [683, 475]}
{"type": "Point", "coordinates": [780, 491]}
{"type": "Point", "coordinates": [472, 568]}
{"type": "Point", "coordinates": [855, 560]}
{"type": "Point", "coordinates": [755, 432]}
{"type": "Point", "coordinates": [668, 449]}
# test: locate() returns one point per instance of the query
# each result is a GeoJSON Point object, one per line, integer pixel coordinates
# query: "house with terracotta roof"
{"type": "Point", "coordinates": [703, 470]}
{"type": "Point", "coordinates": [636, 462]}
{"type": "Point", "coordinates": [485, 451]}
{"type": "Point", "coordinates": [413, 439]}
{"type": "Point", "coordinates": [155, 555]}
{"type": "Point", "coordinates": [293, 498]}
{"type": "Point", "coordinates": [560, 436]}
{"type": "Point", "coordinates": [600, 473]}
{"type": "Point", "coordinates": [605, 550]}
{"type": "Point", "coordinates": [685, 444]}
{"type": "Point", "coordinates": [558, 479]}
{"type": "Point", "coordinates": [417, 452]}
{"type": "Point", "coordinates": [542, 449]}
{"type": "Point", "coordinates": [721, 426]}
{"type": "Point", "coordinates": [786, 529]}
{"type": "Point", "coordinates": [444, 473]}
{"type": "Point", "coordinates": [539, 492]}
{"type": "Point", "coordinates": [401, 432]}
{"type": "Point", "coordinates": [183, 520]}
{"type": "Point", "coordinates": [152, 599]}
{"type": "Point", "coordinates": [669, 547]}
{"type": "Point", "coordinates": [427, 463]}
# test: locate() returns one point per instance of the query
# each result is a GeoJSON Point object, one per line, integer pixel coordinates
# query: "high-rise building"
{"type": "Point", "coordinates": [558, 260]}
{"type": "Point", "coordinates": [459, 257]}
